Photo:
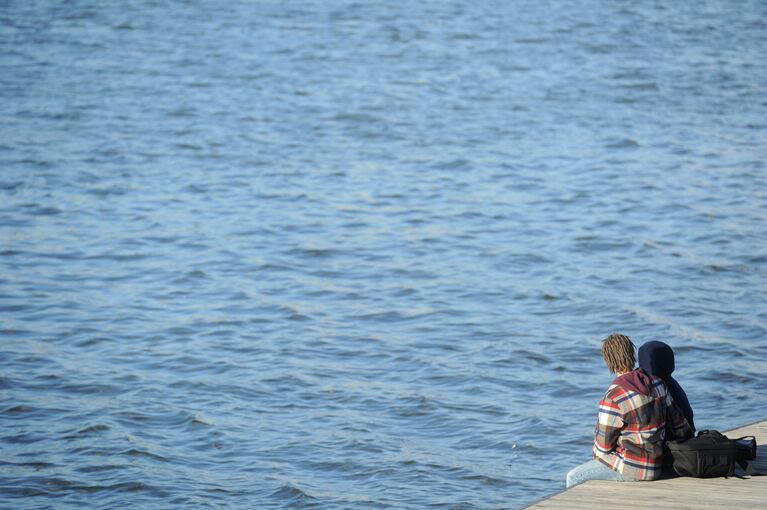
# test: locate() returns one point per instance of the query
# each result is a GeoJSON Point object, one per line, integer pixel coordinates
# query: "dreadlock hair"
{"type": "Point", "coordinates": [618, 352]}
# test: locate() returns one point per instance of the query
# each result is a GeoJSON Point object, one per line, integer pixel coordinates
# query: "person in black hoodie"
{"type": "Point", "coordinates": [657, 358]}
{"type": "Point", "coordinates": [633, 419]}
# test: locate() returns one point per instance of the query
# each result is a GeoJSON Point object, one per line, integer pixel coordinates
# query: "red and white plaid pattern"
{"type": "Point", "coordinates": [631, 428]}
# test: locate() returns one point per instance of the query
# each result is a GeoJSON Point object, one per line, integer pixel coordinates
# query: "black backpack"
{"type": "Point", "coordinates": [711, 454]}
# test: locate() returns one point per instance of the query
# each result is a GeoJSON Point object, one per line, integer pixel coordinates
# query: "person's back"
{"type": "Point", "coordinates": [632, 419]}
{"type": "Point", "coordinates": [657, 359]}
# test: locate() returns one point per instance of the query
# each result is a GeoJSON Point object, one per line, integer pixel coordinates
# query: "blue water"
{"type": "Point", "coordinates": [352, 255]}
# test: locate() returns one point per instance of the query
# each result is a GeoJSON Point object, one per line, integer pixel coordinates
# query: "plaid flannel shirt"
{"type": "Point", "coordinates": [631, 427]}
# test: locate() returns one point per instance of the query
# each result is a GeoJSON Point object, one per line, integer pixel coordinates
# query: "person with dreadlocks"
{"type": "Point", "coordinates": [631, 426]}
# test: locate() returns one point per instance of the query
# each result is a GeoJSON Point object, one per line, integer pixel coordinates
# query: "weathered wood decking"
{"type": "Point", "coordinates": [674, 493]}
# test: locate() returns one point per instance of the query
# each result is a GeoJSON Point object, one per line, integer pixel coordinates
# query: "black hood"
{"type": "Point", "coordinates": [657, 358]}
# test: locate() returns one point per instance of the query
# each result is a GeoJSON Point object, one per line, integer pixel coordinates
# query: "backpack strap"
{"type": "Point", "coordinates": [712, 433]}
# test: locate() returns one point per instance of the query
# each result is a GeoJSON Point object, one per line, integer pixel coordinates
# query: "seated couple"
{"type": "Point", "coordinates": [639, 411]}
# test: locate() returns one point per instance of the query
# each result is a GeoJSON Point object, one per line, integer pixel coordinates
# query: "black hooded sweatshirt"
{"type": "Point", "coordinates": [657, 358]}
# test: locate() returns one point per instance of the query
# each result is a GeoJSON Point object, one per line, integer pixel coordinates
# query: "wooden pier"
{"type": "Point", "coordinates": [674, 493]}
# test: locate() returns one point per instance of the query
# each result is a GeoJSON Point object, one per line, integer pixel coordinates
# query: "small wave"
{"type": "Point", "coordinates": [183, 112]}
{"type": "Point", "coordinates": [23, 438]}
{"type": "Point", "coordinates": [650, 85]}
{"type": "Point", "coordinates": [89, 389]}
{"type": "Point", "coordinates": [22, 491]}
{"type": "Point", "coordinates": [192, 147]}
{"type": "Point", "coordinates": [626, 100]}
{"type": "Point", "coordinates": [100, 468]}
{"type": "Point", "coordinates": [124, 487]}
{"type": "Point", "coordinates": [135, 452]}
{"type": "Point", "coordinates": [589, 244]}
{"type": "Point", "coordinates": [599, 49]}
{"type": "Point", "coordinates": [44, 211]}
{"type": "Point", "coordinates": [528, 355]}
{"type": "Point", "coordinates": [286, 381]}
{"type": "Point", "coordinates": [383, 317]}
{"type": "Point", "coordinates": [87, 431]}
{"type": "Point", "coordinates": [119, 257]}
{"type": "Point", "coordinates": [531, 40]}
{"type": "Point", "coordinates": [485, 479]}
{"type": "Point", "coordinates": [198, 420]}
{"type": "Point", "coordinates": [291, 494]}
{"type": "Point", "coordinates": [37, 466]}
{"type": "Point", "coordinates": [92, 341]}
{"type": "Point", "coordinates": [10, 186]}
{"type": "Point", "coordinates": [738, 379]}
{"type": "Point", "coordinates": [455, 164]}
{"type": "Point", "coordinates": [18, 409]}
{"type": "Point", "coordinates": [14, 308]}
{"type": "Point", "coordinates": [622, 143]}
{"type": "Point", "coordinates": [320, 253]}
{"type": "Point", "coordinates": [106, 192]}
{"type": "Point", "coordinates": [191, 276]}
{"type": "Point", "coordinates": [464, 36]}
{"type": "Point", "coordinates": [357, 118]}
{"type": "Point", "coordinates": [724, 268]}
{"type": "Point", "coordinates": [414, 406]}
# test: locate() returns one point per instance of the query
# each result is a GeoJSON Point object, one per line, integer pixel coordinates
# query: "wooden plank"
{"type": "Point", "coordinates": [675, 493]}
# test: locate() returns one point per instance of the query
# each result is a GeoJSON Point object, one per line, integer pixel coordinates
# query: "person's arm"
{"type": "Point", "coordinates": [676, 420]}
{"type": "Point", "coordinates": [681, 401]}
{"type": "Point", "coordinates": [608, 430]}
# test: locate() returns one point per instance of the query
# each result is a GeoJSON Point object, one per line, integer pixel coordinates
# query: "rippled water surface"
{"type": "Point", "coordinates": [347, 255]}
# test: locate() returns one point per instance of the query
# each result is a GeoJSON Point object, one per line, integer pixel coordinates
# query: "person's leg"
{"type": "Point", "coordinates": [591, 470]}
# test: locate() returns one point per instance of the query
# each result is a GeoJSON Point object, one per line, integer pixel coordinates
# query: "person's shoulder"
{"type": "Point", "coordinates": [614, 392]}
